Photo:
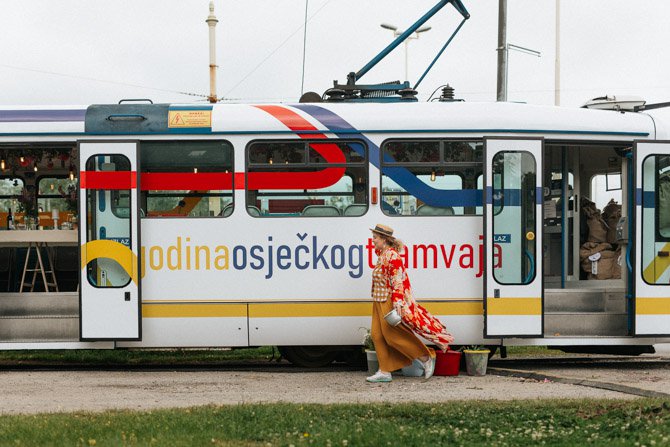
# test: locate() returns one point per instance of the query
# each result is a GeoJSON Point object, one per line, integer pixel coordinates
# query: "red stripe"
{"type": "Point", "coordinates": [108, 179]}
{"type": "Point", "coordinates": [300, 180]}
{"type": "Point", "coordinates": [171, 181]}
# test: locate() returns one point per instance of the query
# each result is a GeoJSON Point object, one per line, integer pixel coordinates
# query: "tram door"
{"type": "Point", "coordinates": [513, 289]}
{"type": "Point", "coordinates": [109, 294]}
{"type": "Point", "coordinates": [652, 238]}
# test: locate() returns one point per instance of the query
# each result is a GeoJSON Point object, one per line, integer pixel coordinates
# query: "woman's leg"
{"type": "Point", "coordinates": [396, 346]}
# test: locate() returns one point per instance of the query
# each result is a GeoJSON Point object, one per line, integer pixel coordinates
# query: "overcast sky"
{"type": "Point", "coordinates": [93, 51]}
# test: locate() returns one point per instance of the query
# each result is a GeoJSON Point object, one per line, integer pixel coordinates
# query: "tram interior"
{"type": "Point", "coordinates": [584, 264]}
{"type": "Point", "coordinates": [38, 183]}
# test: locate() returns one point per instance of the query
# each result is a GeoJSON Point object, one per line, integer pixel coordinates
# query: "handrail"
{"type": "Point", "coordinates": [531, 273]}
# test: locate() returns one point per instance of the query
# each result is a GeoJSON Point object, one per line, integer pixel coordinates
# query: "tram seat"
{"type": "Point", "coordinates": [356, 209]}
{"type": "Point", "coordinates": [320, 211]}
{"type": "Point", "coordinates": [253, 211]}
{"type": "Point", "coordinates": [227, 210]}
{"type": "Point", "coordinates": [427, 210]}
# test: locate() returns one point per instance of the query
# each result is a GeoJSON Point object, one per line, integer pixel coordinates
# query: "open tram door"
{"type": "Point", "coordinates": [652, 238]}
{"type": "Point", "coordinates": [513, 287]}
{"type": "Point", "coordinates": [109, 296]}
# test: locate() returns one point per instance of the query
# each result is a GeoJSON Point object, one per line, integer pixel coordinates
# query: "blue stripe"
{"type": "Point", "coordinates": [16, 116]}
{"type": "Point", "coordinates": [638, 196]}
{"type": "Point", "coordinates": [649, 199]}
{"type": "Point", "coordinates": [402, 176]}
{"type": "Point", "coordinates": [538, 195]}
{"type": "Point", "coordinates": [489, 195]}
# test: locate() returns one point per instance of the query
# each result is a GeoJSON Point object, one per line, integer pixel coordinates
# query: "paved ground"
{"type": "Point", "coordinates": [33, 391]}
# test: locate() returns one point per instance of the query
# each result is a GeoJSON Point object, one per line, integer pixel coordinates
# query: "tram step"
{"type": "Point", "coordinates": [39, 329]}
{"type": "Point", "coordinates": [39, 304]}
{"type": "Point", "coordinates": [585, 323]}
{"type": "Point", "coordinates": [584, 300]}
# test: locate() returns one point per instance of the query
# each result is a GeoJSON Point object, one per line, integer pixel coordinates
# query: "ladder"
{"type": "Point", "coordinates": [39, 267]}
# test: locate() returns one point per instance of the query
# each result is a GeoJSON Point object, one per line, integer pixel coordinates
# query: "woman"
{"type": "Point", "coordinates": [398, 346]}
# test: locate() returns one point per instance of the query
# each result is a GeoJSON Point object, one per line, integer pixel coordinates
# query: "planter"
{"type": "Point", "coordinates": [447, 363]}
{"type": "Point", "coordinates": [373, 363]}
{"type": "Point", "coordinates": [476, 361]}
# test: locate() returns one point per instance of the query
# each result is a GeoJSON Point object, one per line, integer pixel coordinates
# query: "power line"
{"type": "Point", "coordinates": [277, 49]}
{"type": "Point", "coordinates": [107, 81]}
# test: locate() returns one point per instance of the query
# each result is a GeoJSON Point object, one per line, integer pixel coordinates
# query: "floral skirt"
{"type": "Point", "coordinates": [424, 324]}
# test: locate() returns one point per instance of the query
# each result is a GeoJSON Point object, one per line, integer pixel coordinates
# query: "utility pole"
{"type": "Point", "coordinates": [502, 50]}
{"type": "Point", "coordinates": [557, 66]}
{"type": "Point", "coordinates": [211, 22]}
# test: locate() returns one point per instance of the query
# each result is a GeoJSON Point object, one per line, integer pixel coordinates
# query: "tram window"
{"type": "Point", "coordinates": [431, 177]}
{"type": "Point", "coordinates": [186, 178]}
{"type": "Point", "coordinates": [306, 179]}
{"type": "Point", "coordinates": [655, 217]}
{"type": "Point", "coordinates": [516, 220]}
{"type": "Point", "coordinates": [57, 193]}
{"type": "Point", "coordinates": [602, 190]}
{"type": "Point", "coordinates": [10, 191]}
{"type": "Point", "coordinates": [108, 223]}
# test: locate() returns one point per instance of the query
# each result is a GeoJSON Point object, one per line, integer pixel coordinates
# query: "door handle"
{"type": "Point", "coordinates": [496, 293]}
{"type": "Point", "coordinates": [127, 296]}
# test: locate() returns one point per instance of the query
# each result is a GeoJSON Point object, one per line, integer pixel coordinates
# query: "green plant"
{"type": "Point", "coordinates": [70, 197]}
{"type": "Point", "coordinates": [368, 344]}
{"type": "Point", "coordinates": [474, 348]}
{"type": "Point", "coordinates": [27, 202]}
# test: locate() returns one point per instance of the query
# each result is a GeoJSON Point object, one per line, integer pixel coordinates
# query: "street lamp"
{"type": "Point", "coordinates": [397, 32]}
{"type": "Point", "coordinates": [524, 50]}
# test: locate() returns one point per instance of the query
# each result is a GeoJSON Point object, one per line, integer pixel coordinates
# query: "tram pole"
{"type": "Point", "coordinates": [211, 22]}
{"type": "Point", "coordinates": [502, 51]}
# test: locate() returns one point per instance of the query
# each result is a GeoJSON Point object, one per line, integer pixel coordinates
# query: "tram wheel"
{"type": "Point", "coordinates": [309, 356]}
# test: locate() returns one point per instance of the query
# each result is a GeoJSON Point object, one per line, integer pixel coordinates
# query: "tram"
{"type": "Point", "coordinates": [140, 225]}
{"type": "Point", "coordinates": [229, 225]}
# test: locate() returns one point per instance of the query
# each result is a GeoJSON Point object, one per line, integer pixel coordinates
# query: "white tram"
{"type": "Point", "coordinates": [247, 225]}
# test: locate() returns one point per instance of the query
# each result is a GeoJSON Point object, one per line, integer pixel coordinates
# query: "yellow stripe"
{"type": "Point", "coordinates": [279, 310]}
{"type": "Point", "coordinates": [514, 306]}
{"type": "Point", "coordinates": [193, 310]}
{"type": "Point", "coordinates": [652, 306]}
{"type": "Point", "coordinates": [657, 267]}
{"type": "Point", "coordinates": [158, 309]}
{"type": "Point", "coordinates": [110, 250]}
{"type": "Point", "coordinates": [357, 309]}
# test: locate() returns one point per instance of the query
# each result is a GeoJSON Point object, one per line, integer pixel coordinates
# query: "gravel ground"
{"type": "Point", "coordinates": [58, 391]}
{"type": "Point", "coordinates": [34, 391]}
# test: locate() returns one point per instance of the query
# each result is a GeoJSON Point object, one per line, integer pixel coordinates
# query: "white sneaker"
{"type": "Point", "coordinates": [380, 377]}
{"type": "Point", "coordinates": [429, 367]}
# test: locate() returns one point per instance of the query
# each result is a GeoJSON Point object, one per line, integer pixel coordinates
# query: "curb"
{"type": "Point", "coordinates": [581, 382]}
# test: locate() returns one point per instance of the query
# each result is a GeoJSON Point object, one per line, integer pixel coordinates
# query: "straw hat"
{"type": "Point", "coordinates": [384, 230]}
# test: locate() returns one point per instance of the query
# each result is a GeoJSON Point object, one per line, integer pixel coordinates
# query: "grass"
{"type": "Point", "coordinates": [120, 357]}
{"type": "Point", "coordinates": [548, 422]}
{"type": "Point", "coordinates": [533, 351]}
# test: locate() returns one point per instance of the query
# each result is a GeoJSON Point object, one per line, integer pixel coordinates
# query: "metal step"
{"type": "Point", "coordinates": [39, 329]}
{"type": "Point", "coordinates": [558, 324]}
{"type": "Point", "coordinates": [39, 304]}
{"type": "Point", "coordinates": [39, 317]}
{"type": "Point", "coordinates": [584, 300]}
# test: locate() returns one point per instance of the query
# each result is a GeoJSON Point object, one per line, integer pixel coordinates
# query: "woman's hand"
{"type": "Point", "coordinates": [397, 305]}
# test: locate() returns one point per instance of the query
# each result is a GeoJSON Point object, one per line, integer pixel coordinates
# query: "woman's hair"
{"type": "Point", "coordinates": [395, 244]}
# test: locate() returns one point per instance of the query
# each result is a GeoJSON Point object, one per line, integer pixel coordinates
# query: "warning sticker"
{"type": "Point", "coordinates": [189, 118]}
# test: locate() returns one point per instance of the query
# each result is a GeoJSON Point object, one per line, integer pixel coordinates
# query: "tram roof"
{"type": "Point", "coordinates": [456, 118]}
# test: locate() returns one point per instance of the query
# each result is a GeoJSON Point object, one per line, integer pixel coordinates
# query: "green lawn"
{"type": "Point", "coordinates": [549, 422]}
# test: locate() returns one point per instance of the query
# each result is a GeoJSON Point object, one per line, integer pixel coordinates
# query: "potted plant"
{"type": "Point", "coordinates": [370, 353]}
{"type": "Point", "coordinates": [27, 206]}
{"type": "Point", "coordinates": [476, 359]}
